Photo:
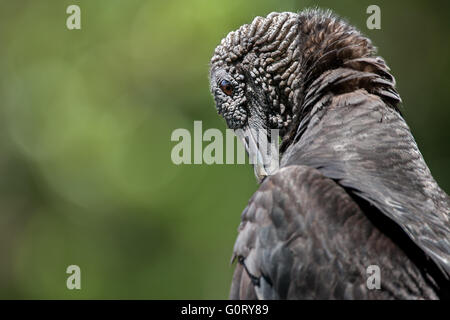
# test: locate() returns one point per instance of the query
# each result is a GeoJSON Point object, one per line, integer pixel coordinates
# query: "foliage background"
{"type": "Point", "coordinates": [85, 124]}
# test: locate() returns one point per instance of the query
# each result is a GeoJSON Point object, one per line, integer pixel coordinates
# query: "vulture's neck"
{"type": "Point", "coordinates": [334, 58]}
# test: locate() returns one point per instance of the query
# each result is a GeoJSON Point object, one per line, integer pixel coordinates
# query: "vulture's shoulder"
{"type": "Point", "coordinates": [358, 140]}
{"type": "Point", "coordinates": [321, 241]}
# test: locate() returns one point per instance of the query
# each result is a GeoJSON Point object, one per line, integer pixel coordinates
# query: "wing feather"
{"type": "Point", "coordinates": [303, 237]}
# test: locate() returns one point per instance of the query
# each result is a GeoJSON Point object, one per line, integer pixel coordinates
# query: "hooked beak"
{"type": "Point", "coordinates": [262, 152]}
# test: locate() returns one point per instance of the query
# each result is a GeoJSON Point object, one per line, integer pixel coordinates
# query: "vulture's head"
{"type": "Point", "coordinates": [252, 81]}
{"type": "Point", "coordinates": [260, 73]}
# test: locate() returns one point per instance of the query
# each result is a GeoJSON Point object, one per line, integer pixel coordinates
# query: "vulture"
{"type": "Point", "coordinates": [352, 193]}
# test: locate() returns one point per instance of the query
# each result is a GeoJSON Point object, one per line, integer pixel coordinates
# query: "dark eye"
{"type": "Point", "coordinates": [226, 87]}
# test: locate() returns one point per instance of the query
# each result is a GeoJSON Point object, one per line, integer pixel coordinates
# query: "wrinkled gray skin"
{"type": "Point", "coordinates": [352, 190]}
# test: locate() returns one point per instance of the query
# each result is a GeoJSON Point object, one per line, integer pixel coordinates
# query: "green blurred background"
{"type": "Point", "coordinates": [85, 123]}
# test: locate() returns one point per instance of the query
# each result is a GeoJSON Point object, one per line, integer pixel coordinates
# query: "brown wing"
{"type": "Point", "coordinates": [303, 237]}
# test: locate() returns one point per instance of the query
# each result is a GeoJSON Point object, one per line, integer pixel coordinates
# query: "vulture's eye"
{"type": "Point", "coordinates": [226, 87]}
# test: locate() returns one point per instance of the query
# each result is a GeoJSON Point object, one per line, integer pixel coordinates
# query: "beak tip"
{"type": "Point", "coordinates": [263, 154]}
